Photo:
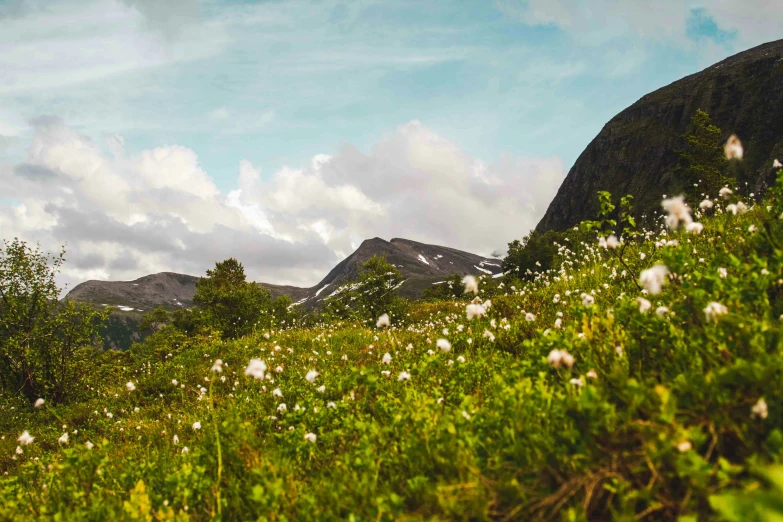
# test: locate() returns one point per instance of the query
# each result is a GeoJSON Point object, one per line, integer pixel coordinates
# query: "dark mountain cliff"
{"type": "Point", "coordinates": [635, 153]}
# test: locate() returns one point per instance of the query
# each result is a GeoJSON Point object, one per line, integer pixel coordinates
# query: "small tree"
{"type": "Point", "coordinates": [372, 295]}
{"type": "Point", "coordinates": [704, 158]}
{"type": "Point", "coordinates": [45, 345]}
{"type": "Point", "coordinates": [228, 302]}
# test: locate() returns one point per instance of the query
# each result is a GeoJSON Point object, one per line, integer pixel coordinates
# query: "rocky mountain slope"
{"type": "Point", "coordinates": [635, 153]}
{"type": "Point", "coordinates": [421, 265]}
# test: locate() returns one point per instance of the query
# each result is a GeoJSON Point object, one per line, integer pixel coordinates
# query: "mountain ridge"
{"type": "Point", "coordinates": [420, 263]}
{"type": "Point", "coordinates": [635, 152]}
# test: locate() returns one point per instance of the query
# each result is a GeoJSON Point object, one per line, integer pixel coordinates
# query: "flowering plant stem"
{"type": "Point", "coordinates": [219, 450]}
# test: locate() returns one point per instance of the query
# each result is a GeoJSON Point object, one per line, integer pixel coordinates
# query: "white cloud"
{"type": "Point", "coordinates": [127, 215]}
{"type": "Point", "coordinates": [601, 21]}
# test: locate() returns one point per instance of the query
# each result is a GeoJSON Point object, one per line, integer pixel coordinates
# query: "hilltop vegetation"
{"type": "Point", "coordinates": [635, 378]}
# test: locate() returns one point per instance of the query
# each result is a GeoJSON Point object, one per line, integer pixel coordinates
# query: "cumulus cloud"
{"type": "Point", "coordinates": [125, 215]}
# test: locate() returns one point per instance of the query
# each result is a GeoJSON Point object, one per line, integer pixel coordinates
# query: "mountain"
{"type": "Point", "coordinates": [167, 289]}
{"type": "Point", "coordinates": [420, 264]}
{"type": "Point", "coordinates": [635, 153]}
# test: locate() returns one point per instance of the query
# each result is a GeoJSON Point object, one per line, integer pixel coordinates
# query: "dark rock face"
{"type": "Point", "coordinates": [635, 153]}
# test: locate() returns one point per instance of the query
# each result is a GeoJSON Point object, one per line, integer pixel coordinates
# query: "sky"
{"type": "Point", "coordinates": [153, 136]}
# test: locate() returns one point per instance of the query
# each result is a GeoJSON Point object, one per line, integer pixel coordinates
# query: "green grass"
{"type": "Point", "coordinates": [489, 430]}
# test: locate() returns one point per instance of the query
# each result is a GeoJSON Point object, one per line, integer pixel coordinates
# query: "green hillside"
{"type": "Point", "coordinates": [578, 395]}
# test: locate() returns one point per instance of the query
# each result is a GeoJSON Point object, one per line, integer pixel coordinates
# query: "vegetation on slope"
{"type": "Point", "coordinates": [586, 392]}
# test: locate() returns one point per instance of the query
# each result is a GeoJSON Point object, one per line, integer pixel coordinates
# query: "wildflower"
{"type": "Point", "coordinates": [130, 386]}
{"type": "Point", "coordinates": [386, 373]}
{"type": "Point", "coordinates": [725, 192]}
{"type": "Point", "coordinates": [185, 450]}
{"type": "Point", "coordinates": [760, 409]}
{"type": "Point", "coordinates": [642, 255]}
{"type": "Point", "coordinates": [475, 310]}
{"type": "Point", "coordinates": [661, 311]}
{"type": "Point", "coordinates": [19, 450]}
{"type": "Point", "coordinates": [776, 164]}
{"type": "Point", "coordinates": [558, 323]}
{"type": "Point", "coordinates": [713, 310]}
{"type": "Point", "coordinates": [63, 438]}
{"type": "Point", "coordinates": [733, 148]}
{"type": "Point", "coordinates": [404, 376]}
{"type": "Point", "coordinates": [176, 439]}
{"type": "Point", "coordinates": [282, 407]}
{"type": "Point", "coordinates": [321, 389]}
{"type": "Point", "coordinates": [256, 368]}
{"type": "Point", "coordinates": [602, 242]}
{"type": "Point", "coordinates": [277, 393]}
{"type": "Point", "coordinates": [653, 278]}
{"type": "Point", "coordinates": [694, 228]}
{"type": "Point", "coordinates": [704, 205]}
{"type": "Point", "coordinates": [618, 350]}
{"type": "Point", "coordinates": [592, 374]}
{"type": "Point", "coordinates": [684, 446]}
{"type": "Point", "coordinates": [311, 375]}
{"type": "Point", "coordinates": [752, 228]}
{"type": "Point", "coordinates": [530, 317]}
{"type": "Point", "coordinates": [466, 415]}
{"type": "Point", "coordinates": [218, 366]}
{"type": "Point", "coordinates": [39, 403]}
{"type": "Point", "coordinates": [612, 242]}
{"type": "Point", "coordinates": [279, 369]}
{"type": "Point", "coordinates": [444, 345]}
{"type": "Point", "coordinates": [331, 404]}
{"type": "Point", "coordinates": [25, 438]}
{"type": "Point", "coordinates": [676, 212]}
{"type": "Point", "coordinates": [737, 208]}
{"type": "Point", "coordinates": [386, 358]}
{"type": "Point", "coordinates": [489, 336]}
{"type": "Point", "coordinates": [558, 357]}
{"type": "Point", "coordinates": [174, 382]}
{"type": "Point", "coordinates": [197, 425]}
{"type": "Point", "coordinates": [722, 273]}
{"type": "Point", "coordinates": [471, 284]}
{"type": "Point", "coordinates": [644, 304]}
{"type": "Point", "coordinates": [89, 445]}
{"type": "Point", "coordinates": [383, 321]}
{"type": "Point", "coordinates": [587, 299]}
{"type": "Point", "coordinates": [409, 347]}
{"type": "Point", "coordinates": [577, 381]}
{"type": "Point", "coordinates": [460, 359]}
{"type": "Point", "coordinates": [310, 437]}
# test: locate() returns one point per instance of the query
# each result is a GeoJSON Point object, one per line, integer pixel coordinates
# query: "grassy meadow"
{"type": "Point", "coordinates": [597, 390]}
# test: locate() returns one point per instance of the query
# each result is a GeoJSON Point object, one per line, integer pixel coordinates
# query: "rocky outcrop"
{"type": "Point", "coordinates": [635, 153]}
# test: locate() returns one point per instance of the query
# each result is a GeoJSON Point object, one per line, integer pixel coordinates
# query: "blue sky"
{"type": "Point", "coordinates": [276, 83]}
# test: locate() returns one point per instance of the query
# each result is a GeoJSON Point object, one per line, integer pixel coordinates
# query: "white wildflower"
{"type": "Point", "coordinates": [661, 311]}
{"type": "Point", "coordinates": [577, 381]}
{"type": "Point", "coordinates": [475, 310]}
{"type": "Point", "coordinates": [443, 345]}
{"type": "Point", "coordinates": [383, 321]}
{"type": "Point", "coordinates": [723, 273]}
{"type": "Point", "coordinates": [725, 192]}
{"type": "Point", "coordinates": [592, 374]}
{"type": "Point", "coordinates": [256, 368]}
{"type": "Point", "coordinates": [644, 304]}
{"type": "Point", "coordinates": [311, 375]}
{"type": "Point", "coordinates": [530, 317]}
{"type": "Point", "coordinates": [612, 242]}
{"type": "Point", "coordinates": [386, 358]}
{"type": "Point", "coordinates": [777, 164]}
{"type": "Point", "coordinates": [707, 203]}
{"type": "Point", "coordinates": [197, 425]}
{"type": "Point", "coordinates": [277, 393]}
{"type": "Point", "coordinates": [404, 376]}
{"type": "Point", "coordinates": [714, 309]}
{"type": "Point", "coordinates": [310, 437]}
{"type": "Point", "coordinates": [587, 299]}
{"type": "Point", "coordinates": [471, 284]}
{"type": "Point", "coordinates": [760, 409]}
{"type": "Point", "coordinates": [89, 445]}
{"type": "Point", "coordinates": [676, 212]}
{"type": "Point", "coordinates": [694, 228]}
{"type": "Point", "coordinates": [684, 446]}
{"type": "Point", "coordinates": [39, 403]}
{"type": "Point", "coordinates": [218, 366]}
{"type": "Point", "coordinates": [131, 387]}
{"type": "Point", "coordinates": [733, 148]}
{"type": "Point", "coordinates": [560, 357]}
{"type": "Point", "coordinates": [653, 278]}
{"type": "Point", "coordinates": [63, 438]}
